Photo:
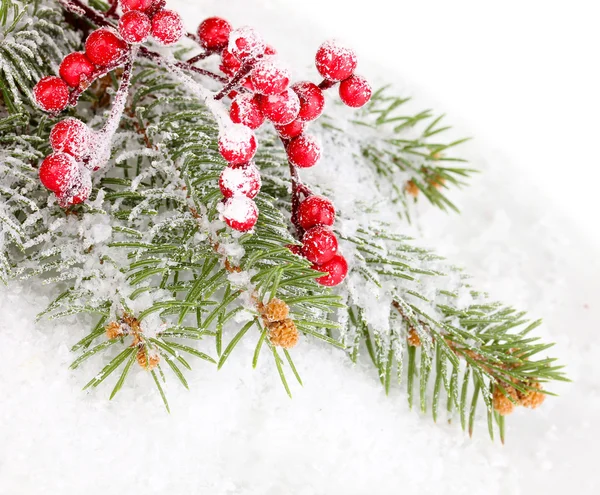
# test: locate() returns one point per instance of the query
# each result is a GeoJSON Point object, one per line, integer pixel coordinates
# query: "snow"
{"type": "Point", "coordinates": [236, 432]}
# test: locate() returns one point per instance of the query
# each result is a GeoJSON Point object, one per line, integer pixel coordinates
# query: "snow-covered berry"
{"type": "Point", "coordinates": [229, 63]}
{"type": "Point", "coordinates": [103, 47]}
{"type": "Point", "coordinates": [319, 245]}
{"type": "Point", "coordinates": [312, 100]}
{"type": "Point", "coordinates": [245, 110]}
{"type": "Point", "coordinates": [291, 130]}
{"type": "Point", "coordinates": [214, 33]}
{"type": "Point", "coordinates": [134, 26]}
{"type": "Point", "coordinates": [240, 213]}
{"type": "Point", "coordinates": [51, 94]}
{"type": "Point", "coordinates": [167, 27]}
{"type": "Point", "coordinates": [280, 109]}
{"type": "Point", "coordinates": [77, 194]}
{"type": "Point", "coordinates": [141, 5]}
{"type": "Point", "coordinates": [355, 91]}
{"type": "Point", "coordinates": [76, 70]}
{"type": "Point", "coordinates": [237, 144]}
{"type": "Point", "coordinates": [336, 269]}
{"type": "Point", "coordinates": [246, 44]}
{"type": "Point", "coordinates": [334, 61]}
{"type": "Point", "coordinates": [270, 77]}
{"type": "Point", "coordinates": [58, 172]}
{"type": "Point", "coordinates": [316, 210]}
{"type": "Point", "coordinates": [303, 151]}
{"type": "Point", "coordinates": [71, 136]}
{"type": "Point", "coordinates": [295, 249]}
{"type": "Point", "coordinates": [240, 179]}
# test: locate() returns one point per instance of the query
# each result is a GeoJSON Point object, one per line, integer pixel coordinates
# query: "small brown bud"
{"type": "Point", "coordinates": [275, 310]}
{"type": "Point", "coordinates": [113, 330]}
{"type": "Point", "coordinates": [283, 333]}
{"type": "Point", "coordinates": [413, 338]}
{"type": "Point", "coordinates": [411, 188]}
{"type": "Point", "coordinates": [532, 398]}
{"type": "Point", "coordinates": [146, 360]}
{"type": "Point", "coordinates": [502, 404]}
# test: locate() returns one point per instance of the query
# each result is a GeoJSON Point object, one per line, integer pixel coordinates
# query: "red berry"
{"type": "Point", "coordinates": [58, 172]}
{"type": "Point", "coordinates": [280, 109]}
{"type": "Point", "coordinates": [229, 63]}
{"type": "Point", "coordinates": [134, 26]}
{"type": "Point", "coordinates": [51, 94]}
{"type": "Point", "coordinates": [295, 249]}
{"type": "Point", "coordinates": [240, 179]}
{"type": "Point", "coordinates": [245, 110]}
{"type": "Point", "coordinates": [70, 136]}
{"type": "Point", "coordinates": [76, 70]}
{"type": "Point", "coordinates": [303, 151]}
{"type": "Point", "coordinates": [167, 27]}
{"type": "Point", "coordinates": [319, 245]}
{"type": "Point", "coordinates": [240, 213]}
{"type": "Point", "coordinates": [337, 267]}
{"type": "Point", "coordinates": [141, 5]}
{"type": "Point", "coordinates": [316, 210]}
{"type": "Point", "coordinates": [335, 62]}
{"type": "Point", "coordinates": [312, 100]}
{"type": "Point", "coordinates": [269, 50]}
{"type": "Point", "coordinates": [245, 43]}
{"type": "Point", "coordinates": [103, 47]}
{"type": "Point", "coordinates": [214, 33]}
{"type": "Point", "coordinates": [291, 130]}
{"type": "Point", "coordinates": [237, 144]}
{"type": "Point", "coordinates": [355, 91]}
{"type": "Point", "coordinates": [76, 196]}
{"type": "Point", "coordinates": [270, 77]}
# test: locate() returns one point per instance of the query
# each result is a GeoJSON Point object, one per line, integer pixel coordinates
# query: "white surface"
{"type": "Point", "coordinates": [236, 432]}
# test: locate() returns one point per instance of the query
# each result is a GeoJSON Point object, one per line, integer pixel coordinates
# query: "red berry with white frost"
{"type": "Point", "coordinates": [214, 33]}
{"type": "Point", "coordinates": [303, 151]}
{"type": "Point", "coordinates": [77, 193]}
{"type": "Point", "coordinates": [336, 269]}
{"type": "Point", "coordinates": [103, 47]}
{"type": "Point", "coordinates": [76, 70]}
{"type": "Point", "coordinates": [246, 44]}
{"type": "Point", "coordinates": [141, 5]}
{"type": "Point", "coordinates": [237, 144]}
{"type": "Point", "coordinates": [245, 110]}
{"type": "Point", "coordinates": [134, 26]}
{"type": "Point", "coordinates": [71, 136]}
{"type": "Point", "coordinates": [280, 109]}
{"type": "Point", "coordinates": [355, 91]}
{"type": "Point", "coordinates": [270, 77]}
{"type": "Point", "coordinates": [291, 130]}
{"type": "Point", "coordinates": [334, 61]}
{"type": "Point", "coordinates": [316, 210]}
{"type": "Point", "coordinates": [51, 94]}
{"type": "Point", "coordinates": [311, 98]}
{"type": "Point", "coordinates": [229, 63]}
{"type": "Point", "coordinates": [319, 245]}
{"type": "Point", "coordinates": [240, 180]}
{"type": "Point", "coordinates": [58, 172]}
{"type": "Point", "coordinates": [240, 213]}
{"type": "Point", "coordinates": [167, 27]}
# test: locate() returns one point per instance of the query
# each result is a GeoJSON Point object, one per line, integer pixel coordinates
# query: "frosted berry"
{"type": "Point", "coordinates": [355, 91]}
{"type": "Point", "coordinates": [312, 100]}
{"type": "Point", "coordinates": [335, 62]}
{"type": "Point", "coordinates": [237, 144]}
{"type": "Point", "coordinates": [70, 136]}
{"type": "Point", "coordinates": [269, 50]}
{"type": "Point", "coordinates": [141, 5]}
{"type": "Point", "coordinates": [280, 109]}
{"type": "Point", "coordinates": [229, 63]}
{"type": "Point", "coordinates": [51, 94]}
{"type": "Point", "coordinates": [103, 47]}
{"type": "Point", "coordinates": [291, 130]}
{"type": "Point", "coordinates": [295, 249]}
{"type": "Point", "coordinates": [269, 77]}
{"type": "Point", "coordinates": [337, 269]}
{"type": "Point", "coordinates": [246, 44]}
{"type": "Point", "coordinates": [240, 179]}
{"type": "Point", "coordinates": [303, 151]}
{"type": "Point", "coordinates": [134, 26]}
{"type": "Point", "coordinates": [214, 33]}
{"type": "Point", "coordinates": [319, 245]}
{"type": "Point", "coordinates": [315, 210]}
{"type": "Point", "coordinates": [245, 110]}
{"type": "Point", "coordinates": [58, 171]}
{"type": "Point", "coordinates": [79, 194]}
{"type": "Point", "coordinates": [167, 27]}
{"type": "Point", "coordinates": [76, 70]}
{"type": "Point", "coordinates": [240, 213]}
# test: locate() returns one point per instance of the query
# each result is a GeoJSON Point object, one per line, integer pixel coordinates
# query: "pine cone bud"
{"type": "Point", "coordinates": [502, 404]}
{"type": "Point", "coordinates": [275, 310]}
{"type": "Point", "coordinates": [283, 333]}
{"type": "Point", "coordinates": [411, 188]}
{"type": "Point", "coordinates": [413, 338]}
{"type": "Point", "coordinates": [113, 330]}
{"type": "Point", "coordinates": [145, 360]}
{"type": "Point", "coordinates": [532, 398]}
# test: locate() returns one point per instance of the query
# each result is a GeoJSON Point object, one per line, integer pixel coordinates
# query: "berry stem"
{"type": "Point", "coordinates": [113, 8]}
{"type": "Point", "coordinates": [200, 56]}
{"type": "Point", "coordinates": [326, 84]}
{"type": "Point", "coordinates": [298, 190]}
{"type": "Point", "coordinates": [235, 80]}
